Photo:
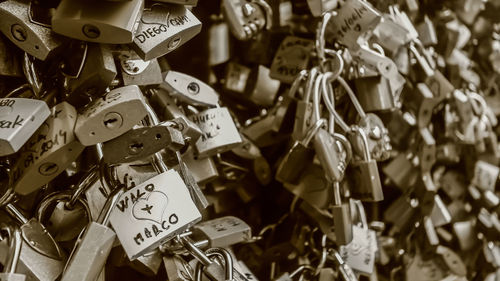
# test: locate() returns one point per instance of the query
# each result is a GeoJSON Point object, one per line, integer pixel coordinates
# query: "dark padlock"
{"type": "Point", "coordinates": [367, 185]}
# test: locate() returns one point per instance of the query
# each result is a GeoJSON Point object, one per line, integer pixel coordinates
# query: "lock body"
{"type": "Point", "coordinates": [20, 119]}
{"type": "Point", "coordinates": [49, 151]}
{"type": "Point", "coordinates": [113, 114]}
{"type": "Point", "coordinates": [219, 133]}
{"type": "Point", "coordinates": [101, 22]}
{"type": "Point", "coordinates": [137, 72]}
{"type": "Point", "coordinates": [223, 231]}
{"type": "Point", "coordinates": [153, 212]}
{"type": "Point", "coordinates": [35, 39]}
{"type": "Point", "coordinates": [189, 89]}
{"type": "Point", "coordinates": [163, 28]}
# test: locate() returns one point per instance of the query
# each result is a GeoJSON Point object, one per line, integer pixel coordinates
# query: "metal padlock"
{"type": "Point", "coordinates": [427, 32]}
{"type": "Point", "coordinates": [15, 241]}
{"type": "Point", "coordinates": [49, 151]}
{"type": "Point", "coordinates": [354, 18]}
{"type": "Point", "coordinates": [219, 133]}
{"type": "Point", "coordinates": [367, 185]}
{"type": "Point", "coordinates": [426, 150]}
{"type": "Point", "coordinates": [153, 213]}
{"type": "Point", "coordinates": [111, 115]}
{"type": "Point", "coordinates": [203, 169]}
{"type": "Point", "coordinates": [425, 191]}
{"type": "Point", "coordinates": [374, 93]}
{"type": "Point", "coordinates": [222, 232]}
{"type": "Point", "coordinates": [34, 38]}
{"type": "Point", "coordinates": [261, 89]}
{"type": "Point", "coordinates": [391, 35]}
{"type": "Point", "coordinates": [135, 71]}
{"type": "Point", "coordinates": [92, 248]}
{"type": "Point", "coordinates": [163, 28]}
{"type": "Point", "coordinates": [41, 258]}
{"type": "Point", "coordinates": [342, 218]}
{"type": "Point", "coordinates": [401, 171]}
{"type": "Point", "coordinates": [141, 142]}
{"type": "Point", "coordinates": [422, 101]}
{"type": "Point", "coordinates": [68, 219]}
{"type": "Point", "coordinates": [167, 109]}
{"type": "Point", "coordinates": [319, 7]}
{"type": "Point", "coordinates": [102, 22]}
{"type": "Point", "coordinates": [177, 268]}
{"type": "Point", "coordinates": [345, 270]}
{"type": "Point", "coordinates": [452, 260]}
{"type": "Point", "coordinates": [189, 89]}
{"type": "Point", "coordinates": [97, 73]}
{"type": "Point", "coordinates": [297, 157]}
{"type": "Point", "coordinates": [359, 254]}
{"type": "Point", "coordinates": [418, 269]}
{"type": "Point", "coordinates": [440, 215]}
{"type": "Point", "coordinates": [292, 56]}
{"type": "Point", "coordinates": [334, 153]}
{"type": "Point", "coordinates": [246, 18]}
{"type": "Point", "coordinates": [485, 176]}
{"type": "Point", "coordinates": [236, 77]}
{"type": "Point", "coordinates": [21, 118]}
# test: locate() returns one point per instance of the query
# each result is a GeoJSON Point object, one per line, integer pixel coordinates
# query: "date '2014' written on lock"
{"type": "Point", "coordinates": [161, 28]}
{"type": "Point", "coordinates": [148, 204]}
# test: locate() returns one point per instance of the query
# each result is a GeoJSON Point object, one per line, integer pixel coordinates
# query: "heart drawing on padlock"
{"type": "Point", "coordinates": [151, 207]}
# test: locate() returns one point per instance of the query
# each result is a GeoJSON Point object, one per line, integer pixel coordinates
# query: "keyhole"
{"type": "Point", "coordinates": [48, 169]}
{"type": "Point", "coordinates": [113, 120]}
{"type": "Point", "coordinates": [193, 88]}
{"type": "Point", "coordinates": [18, 32]}
{"type": "Point", "coordinates": [91, 31]}
{"type": "Point", "coordinates": [136, 148]}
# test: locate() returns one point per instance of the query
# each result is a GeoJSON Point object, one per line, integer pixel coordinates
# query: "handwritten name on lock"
{"type": "Point", "coordinates": [6, 107]}
{"type": "Point", "coordinates": [162, 20]}
{"type": "Point", "coordinates": [354, 18]}
{"type": "Point", "coordinates": [153, 212]}
{"type": "Point", "coordinates": [217, 127]}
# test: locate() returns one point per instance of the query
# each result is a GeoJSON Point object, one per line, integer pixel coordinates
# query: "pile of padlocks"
{"type": "Point", "coordinates": [330, 140]}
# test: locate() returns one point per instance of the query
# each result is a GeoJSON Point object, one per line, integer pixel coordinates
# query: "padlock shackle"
{"type": "Point", "coordinates": [57, 197]}
{"type": "Point", "coordinates": [320, 37]}
{"type": "Point", "coordinates": [15, 240]}
{"type": "Point", "coordinates": [356, 204]}
{"type": "Point", "coordinates": [83, 185]}
{"type": "Point", "coordinates": [152, 120]}
{"type": "Point", "coordinates": [366, 151]}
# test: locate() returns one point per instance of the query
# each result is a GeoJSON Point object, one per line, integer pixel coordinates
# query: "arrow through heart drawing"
{"type": "Point", "coordinates": [151, 207]}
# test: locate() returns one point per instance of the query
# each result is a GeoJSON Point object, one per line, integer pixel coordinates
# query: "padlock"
{"type": "Point", "coordinates": [189, 89]}
{"type": "Point", "coordinates": [401, 171]}
{"type": "Point", "coordinates": [422, 102]}
{"type": "Point", "coordinates": [485, 176]}
{"type": "Point", "coordinates": [148, 227]}
{"type": "Point", "coordinates": [261, 89]}
{"type": "Point", "coordinates": [426, 150]}
{"type": "Point", "coordinates": [163, 28]}
{"type": "Point", "coordinates": [366, 185]}
{"type": "Point", "coordinates": [374, 93]}
{"type": "Point", "coordinates": [40, 257]}
{"type": "Point", "coordinates": [345, 270]}
{"type": "Point", "coordinates": [440, 215]}
{"type": "Point", "coordinates": [401, 213]}
{"type": "Point", "coordinates": [219, 47]}
{"type": "Point", "coordinates": [68, 219]}
{"type": "Point", "coordinates": [167, 109]}
{"type": "Point", "coordinates": [297, 158]}
{"type": "Point", "coordinates": [427, 32]}
{"type": "Point", "coordinates": [15, 241]}
{"type": "Point", "coordinates": [391, 35]}
{"type": "Point", "coordinates": [236, 78]}
{"type": "Point", "coordinates": [203, 169]}
{"type": "Point", "coordinates": [102, 22]}
{"type": "Point", "coordinates": [452, 260]}
{"type": "Point", "coordinates": [247, 18]}
{"type": "Point", "coordinates": [97, 73]}
{"type": "Point", "coordinates": [342, 218]}
{"type": "Point", "coordinates": [32, 37]}
{"type": "Point", "coordinates": [212, 269]}
{"type": "Point", "coordinates": [49, 151]}
{"type": "Point", "coordinates": [177, 268]}
{"type": "Point", "coordinates": [418, 269]}
{"type": "Point", "coordinates": [425, 191]}
{"type": "Point", "coordinates": [219, 133]}
{"type": "Point", "coordinates": [359, 254]}
{"type": "Point", "coordinates": [140, 143]}
{"type": "Point", "coordinates": [21, 118]}
{"type": "Point", "coordinates": [110, 116]}
{"type": "Point", "coordinates": [304, 110]}
{"type": "Point", "coordinates": [319, 7]}
{"type": "Point", "coordinates": [135, 71]}
{"type": "Point", "coordinates": [148, 264]}
{"type": "Point", "coordinates": [399, 128]}
{"type": "Point", "coordinates": [353, 19]}
{"type": "Point", "coordinates": [93, 246]}
{"type": "Point", "coordinates": [222, 232]}
{"type": "Point", "coordinates": [292, 56]}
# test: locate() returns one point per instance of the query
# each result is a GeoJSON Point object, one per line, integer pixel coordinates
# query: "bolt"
{"type": "Point", "coordinates": [113, 120]}
{"type": "Point", "coordinates": [18, 32]}
{"type": "Point", "coordinates": [91, 31]}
